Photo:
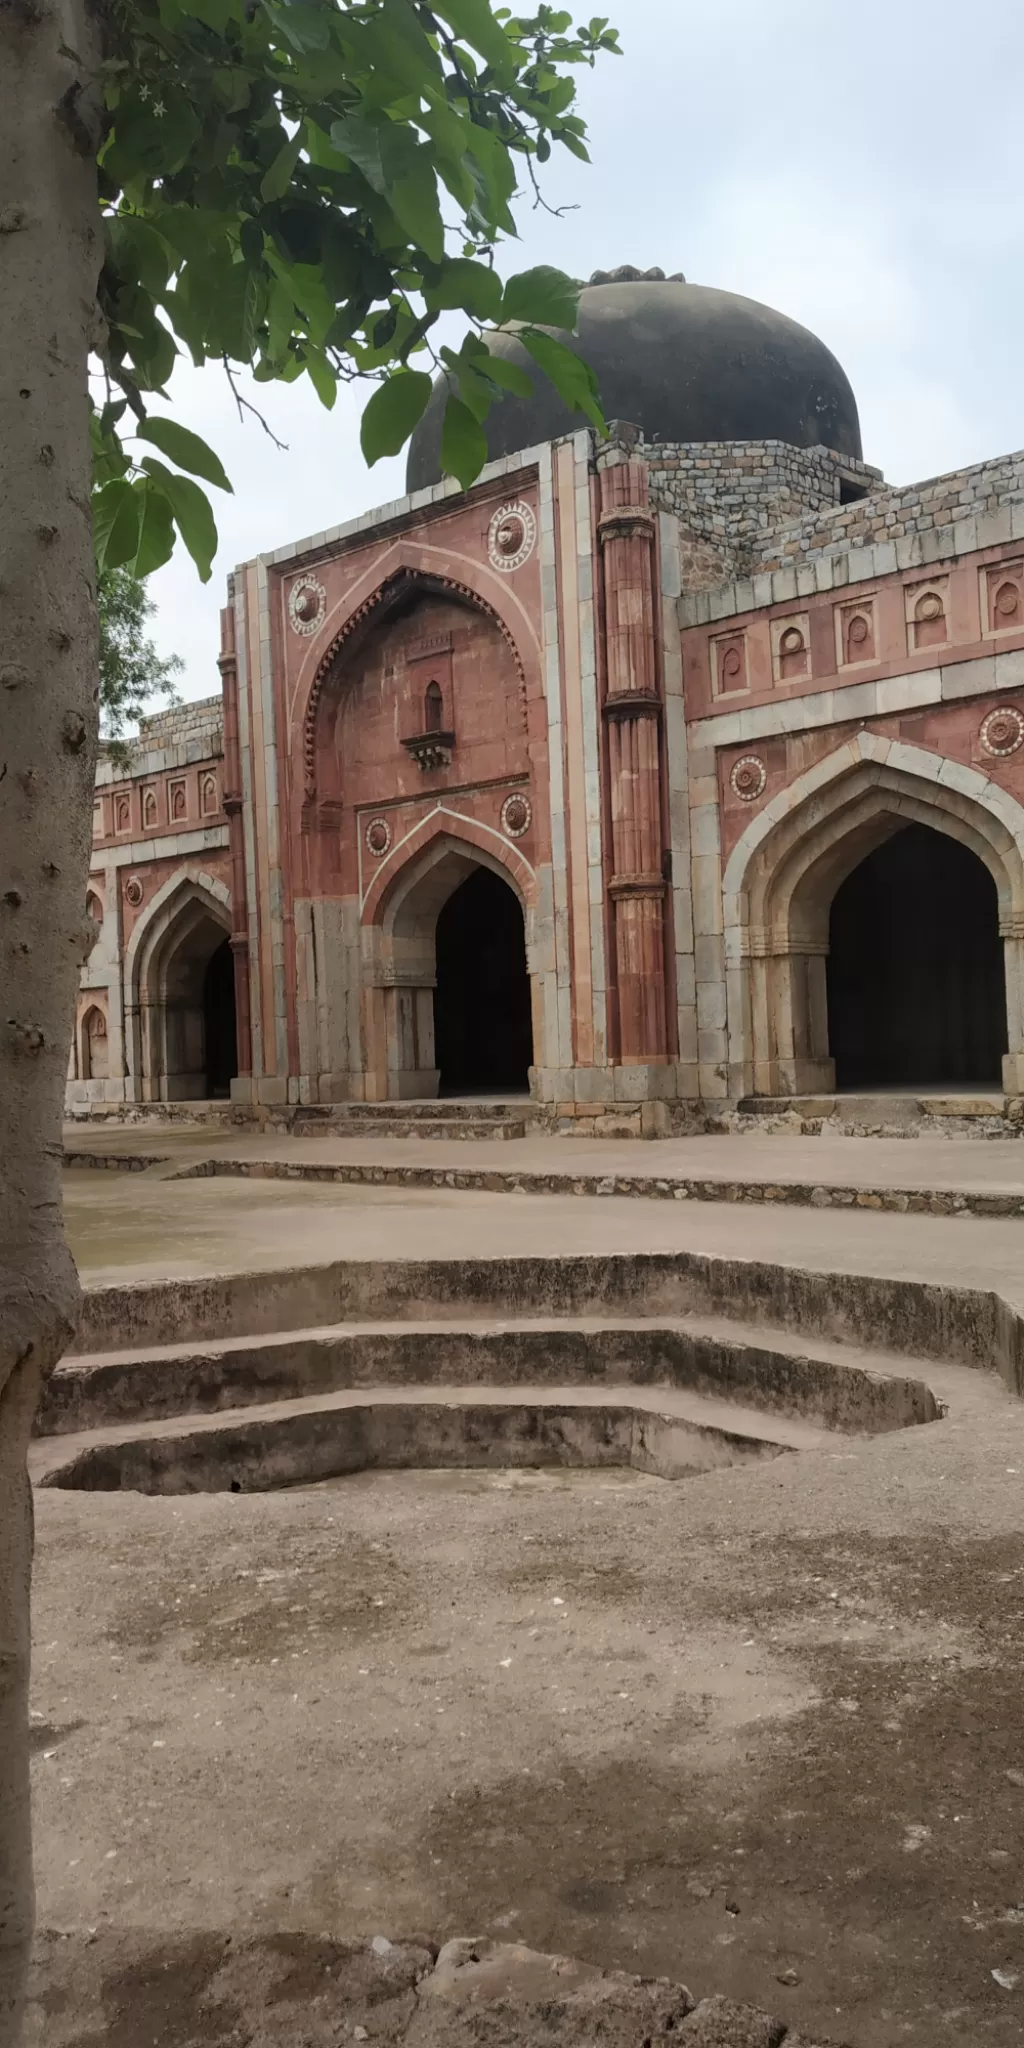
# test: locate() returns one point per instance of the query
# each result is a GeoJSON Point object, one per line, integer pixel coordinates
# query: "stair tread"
{"type": "Point", "coordinates": [789, 1343]}
{"type": "Point", "coordinates": [49, 1454]}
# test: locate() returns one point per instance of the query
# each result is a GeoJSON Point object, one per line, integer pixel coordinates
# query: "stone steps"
{"type": "Point", "coordinates": [667, 1433]}
{"type": "Point", "coordinates": [835, 1385]}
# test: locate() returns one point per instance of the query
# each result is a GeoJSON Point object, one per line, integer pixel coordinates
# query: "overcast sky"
{"type": "Point", "coordinates": [855, 163]}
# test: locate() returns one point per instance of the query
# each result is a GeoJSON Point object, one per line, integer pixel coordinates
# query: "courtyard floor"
{"type": "Point", "coordinates": [759, 1731]}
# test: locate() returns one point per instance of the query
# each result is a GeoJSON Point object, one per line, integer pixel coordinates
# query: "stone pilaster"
{"type": "Point", "coordinates": [633, 713]}
{"type": "Point", "coordinates": [232, 798]}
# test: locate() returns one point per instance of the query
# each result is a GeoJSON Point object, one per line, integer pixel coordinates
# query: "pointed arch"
{"type": "Point", "coordinates": [185, 923]}
{"type": "Point", "coordinates": [786, 867]}
{"type": "Point", "coordinates": [399, 918]}
{"type": "Point", "coordinates": [414, 576]}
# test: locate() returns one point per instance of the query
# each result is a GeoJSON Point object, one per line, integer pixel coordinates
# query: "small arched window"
{"type": "Point", "coordinates": [94, 907]}
{"type": "Point", "coordinates": [433, 708]}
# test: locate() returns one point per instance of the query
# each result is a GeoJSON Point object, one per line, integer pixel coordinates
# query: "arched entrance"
{"type": "Point", "coordinates": [483, 1032]}
{"type": "Point", "coordinates": [915, 979]}
{"type": "Point", "coordinates": [182, 1017]}
{"type": "Point", "coordinates": [451, 1003]}
{"type": "Point", "coordinates": [220, 1030]}
{"type": "Point", "coordinates": [793, 1008]}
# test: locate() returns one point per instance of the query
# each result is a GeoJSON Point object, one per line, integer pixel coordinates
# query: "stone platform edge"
{"type": "Point", "coordinates": [526, 1181]}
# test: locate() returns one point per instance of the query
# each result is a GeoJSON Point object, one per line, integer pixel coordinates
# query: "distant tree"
{"type": "Point", "coordinates": [132, 674]}
{"type": "Point", "coordinates": [290, 188]}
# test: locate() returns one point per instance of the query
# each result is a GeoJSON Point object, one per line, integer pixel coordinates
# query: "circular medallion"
{"type": "Point", "coordinates": [749, 777]}
{"type": "Point", "coordinates": [133, 891]}
{"type": "Point", "coordinates": [1002, 732]}
{"type": "Point", "coordinates": [929, 606]}
{"type": "Point", "coordinates": [307, 604]}
{"type": "Point", "coordinates": [378, 837]}
{"type": "Point", "coordinates": [732, 664]}
{"type": "Point", "coordinates": [511, 536]}
{"type": "Point", "coordinates": [516, 816]}
{"type": "Point", "coordinates": [1007, 601]}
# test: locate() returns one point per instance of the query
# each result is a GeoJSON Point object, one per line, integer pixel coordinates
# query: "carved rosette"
{"type": "Point", "coordinates": [511, 536]}
{"type": "Point", "coordinates": [516, 815]}
{"type": "Point", "coordinates": [1002, 732]}
{"type": "Point", "coordinates": [307, 605]}
{"type": "Point", "coordinates": [378, 837]}
{"type": "Point", "coordinates": [749, 778]}
{"type": "Point", "coordinates": [133, 891]}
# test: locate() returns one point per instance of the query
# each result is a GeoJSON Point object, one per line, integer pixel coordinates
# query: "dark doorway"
{"type": "Point", "coordinates": [219, 1033]}
{"type": "Point", "coordinates": [483, 1033]}
{"type": "Point", "coordinates": [916, 985]}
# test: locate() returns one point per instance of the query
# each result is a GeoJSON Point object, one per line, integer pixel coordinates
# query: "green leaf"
{"type": "Point", "coordinates": [474, 22]}
{"type": "Point", "coordinates": [156, 528]}
{"type": "Point", "coordinates": [277, 180]}
{"type": "Point", "coordinates": [192, 512]}
{"type": "Point", "coordinates": [572, 378]}
{"type": "Point", "coordinates": [360, 141]}
{"type": "Point", "coordinates": [116, 517]}
{"type": "Point", "coordinates": [511, 376]}
{"type": "Point", "coordinates": [414, 203]}
{"type": "Point", "coordinates": [321, 376]}
{"type": "Point", "coordinates": [184, 448]}
{"type": "Point", "coordinates": [138, 251]}
{"type": "Point", "coordinates": [394, 410]}
{"type": "Point", "coordinates": [543, 297]}
{"type": "Point", "coordinates": [463, 443]}
{"type": "Point", "coordinates": [468, 287]}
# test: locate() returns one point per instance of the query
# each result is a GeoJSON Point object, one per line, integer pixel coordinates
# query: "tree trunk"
{"type": "Point", "coordinates": [50, 245]}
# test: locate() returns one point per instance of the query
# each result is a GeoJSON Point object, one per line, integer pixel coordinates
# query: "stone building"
{"type": "Point", "coordinates": [687, 766]}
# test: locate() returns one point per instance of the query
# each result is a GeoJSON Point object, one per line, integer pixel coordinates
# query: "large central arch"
{"type": "Point", "coordinates": [782, 878]}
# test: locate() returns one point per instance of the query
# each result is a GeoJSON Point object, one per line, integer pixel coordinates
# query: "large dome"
{"type": "Point", "coordinates": [678, 360]}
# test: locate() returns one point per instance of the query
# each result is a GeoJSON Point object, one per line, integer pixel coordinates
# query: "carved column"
{"type": "Point", "coordinates": [632, 712]}
{"type": "Point", "coordinates": [227, 662]}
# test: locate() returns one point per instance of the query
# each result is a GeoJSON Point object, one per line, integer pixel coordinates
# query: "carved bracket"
{"type": "Point", "coordinates": [632, 704]}
{"type": "Point", "coordinates": [431, 749]}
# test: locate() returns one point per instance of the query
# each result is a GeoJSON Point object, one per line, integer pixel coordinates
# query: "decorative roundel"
{"type": "Point", "coordinates": [307, 604]}
{"type": "Point", "coordinates": [1002, 732]}
{"type": "Point", "coordinates": [516, 815]}
{"type": "Point", "coordinates": [748, 778]}
{"type": "Point", "coordinates": [378, 837]}
{"type": "Point", "coordinates": [511, 536]}
{"type": "Point", "coordinates": [133, 891]}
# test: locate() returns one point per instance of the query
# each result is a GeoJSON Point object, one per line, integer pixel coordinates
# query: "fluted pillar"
{"type": "Point", "coordinates": [632, 712]}
{"type": "Point", "coordinates": [232, 799]}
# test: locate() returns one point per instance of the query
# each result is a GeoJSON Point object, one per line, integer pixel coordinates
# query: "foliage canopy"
{"type": "Point", "coordinates": [132, 673]}
{"type": "Point", "coordinates": [305, 188]}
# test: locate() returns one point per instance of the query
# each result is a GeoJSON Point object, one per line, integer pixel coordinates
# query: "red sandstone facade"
{"type": "Point", "coordinates": [674, 753]}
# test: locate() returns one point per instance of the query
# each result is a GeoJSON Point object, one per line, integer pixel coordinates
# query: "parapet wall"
{"type": "Point", "coordinates": [964, 494]}
{"type": "Point", "coordinates": [731, 497]}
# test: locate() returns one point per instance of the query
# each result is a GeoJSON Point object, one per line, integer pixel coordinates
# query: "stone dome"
{"type": "Point", "coordinates": [682, 362]}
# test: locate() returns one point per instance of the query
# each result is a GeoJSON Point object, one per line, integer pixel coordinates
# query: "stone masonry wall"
{"type": "Point", "coordinates": [731, 496]}
{"type": "Point", "coordinates": [183, 722]}
{"type": "Point", "coordinates": [983, 488]}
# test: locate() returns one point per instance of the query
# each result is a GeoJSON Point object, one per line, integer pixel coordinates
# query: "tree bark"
{"type": "Point", "coordinates": [50, 247]}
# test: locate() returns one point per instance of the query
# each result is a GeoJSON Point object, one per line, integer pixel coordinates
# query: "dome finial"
{"type": "Point", "coordinates": [627, 273]}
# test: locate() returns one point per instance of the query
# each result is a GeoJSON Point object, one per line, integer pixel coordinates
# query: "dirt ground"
{"type": "Point", "coordinates": [760, 1732]}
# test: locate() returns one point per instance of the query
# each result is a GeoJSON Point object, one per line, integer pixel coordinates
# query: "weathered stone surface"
{"type": "Point", "coordinates": [505, 1993]}
{"type": "Point", "coordinates": [718, 2023]}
